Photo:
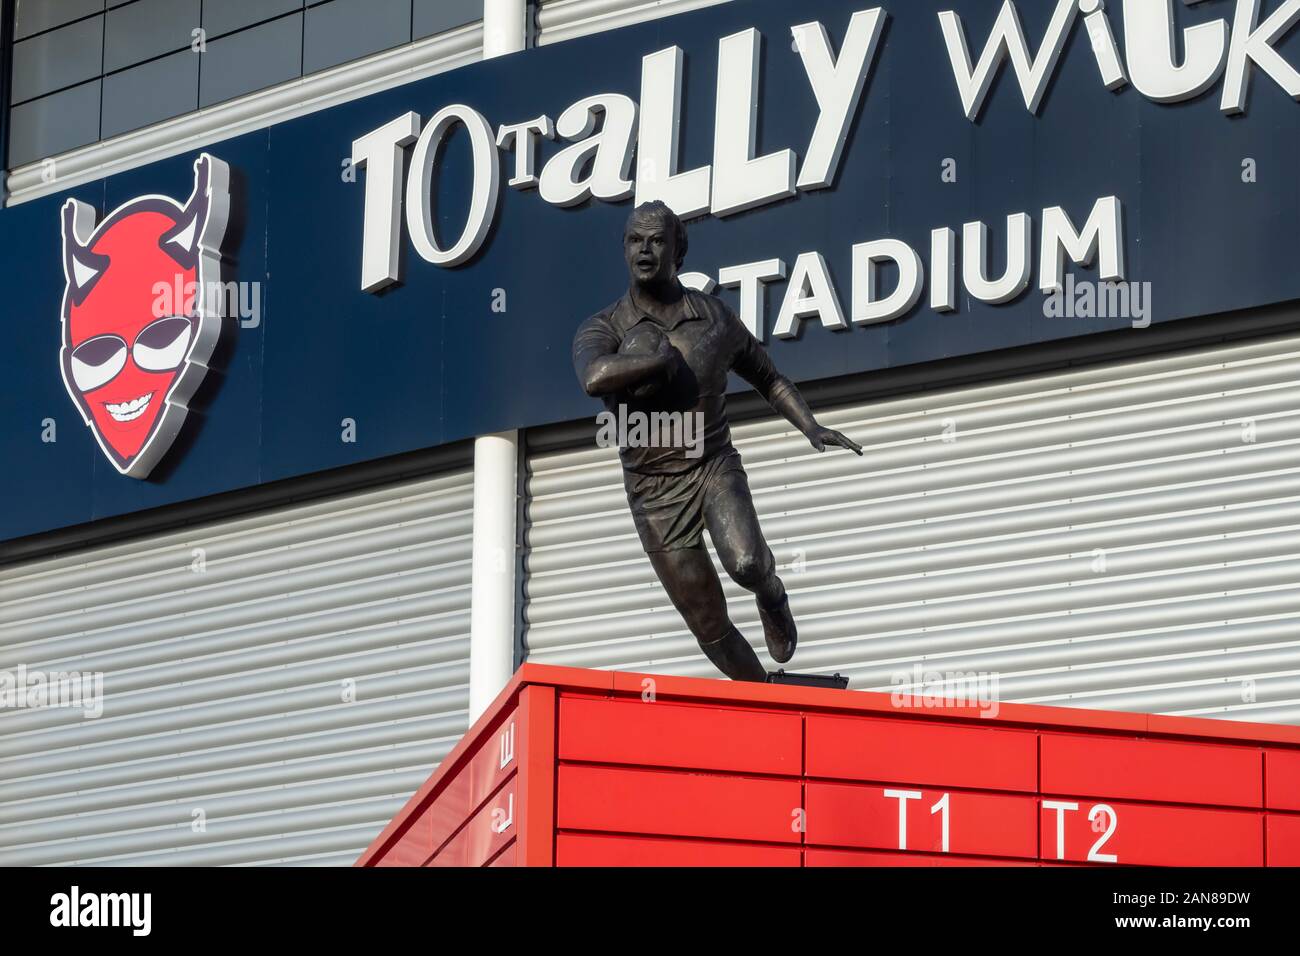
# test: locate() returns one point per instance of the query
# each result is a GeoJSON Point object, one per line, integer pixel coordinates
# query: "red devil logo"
{"type": "Point", "coordinates": [142, 313]}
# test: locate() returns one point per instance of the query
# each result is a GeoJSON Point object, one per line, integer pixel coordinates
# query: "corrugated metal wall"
{"type": "Point", "coordinates": [1120, 536]}
{"type": "Point", "coordinates": [293, 682]}
{"type": "Point", "coordinates": [565, 19]}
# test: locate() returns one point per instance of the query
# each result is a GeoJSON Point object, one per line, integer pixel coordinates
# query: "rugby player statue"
{"type": "Point", "coordinates": [665, 348]}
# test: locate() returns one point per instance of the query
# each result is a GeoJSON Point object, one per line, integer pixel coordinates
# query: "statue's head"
{"type": "Point", "coordinates": [654, 243]}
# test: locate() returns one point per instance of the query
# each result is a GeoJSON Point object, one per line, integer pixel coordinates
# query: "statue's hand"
{"type": "Point", "coordinates": [821, 437]}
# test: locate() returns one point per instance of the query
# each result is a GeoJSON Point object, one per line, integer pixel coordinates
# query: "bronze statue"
{"type": "Point", "coordinates": [664, 348]}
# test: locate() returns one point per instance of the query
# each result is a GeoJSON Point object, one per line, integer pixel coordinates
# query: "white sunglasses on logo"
{"type": "Point", "coordinates": [161, 346]}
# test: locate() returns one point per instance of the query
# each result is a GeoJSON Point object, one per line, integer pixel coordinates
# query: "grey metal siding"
{"type": "Point", "coordinates": [1119, 536]}
{"type": "Point", "coordinates": [288, 677]}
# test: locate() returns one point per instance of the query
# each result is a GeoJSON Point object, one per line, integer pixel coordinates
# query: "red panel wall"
{"type": "Point", "coordinates": [1170, 771]}
{"type": "Point", "coordinates": [575, 768]}
{"type": "Point", "coordinates": [472, 819]}
{"type": "Point", "coordinates": [933, 821]}
{"type": "Point", "coordinates": [1150, 835]}
{"type": "Point", "coordinates": [943, 755]}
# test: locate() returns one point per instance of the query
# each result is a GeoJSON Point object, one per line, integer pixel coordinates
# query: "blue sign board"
{"type": "Point", "coordinates": [326, 374]}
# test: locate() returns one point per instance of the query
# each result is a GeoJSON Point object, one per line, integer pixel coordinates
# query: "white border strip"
{"type": "Point", "coordinates": [350, 81]}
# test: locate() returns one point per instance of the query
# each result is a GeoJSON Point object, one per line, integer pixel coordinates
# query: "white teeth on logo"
{"type": "Point", "coordinates": [128, 411]}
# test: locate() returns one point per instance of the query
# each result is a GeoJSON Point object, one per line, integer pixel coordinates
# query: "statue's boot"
{"type": "Point", "coordinates": [734, 657]}
{"type": "Point", "coordinates": [779, 630]}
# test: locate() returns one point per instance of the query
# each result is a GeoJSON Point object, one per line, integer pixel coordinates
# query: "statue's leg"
{"type": "Point", "coordinates": [692, 584]}
{"type": "Point", "coordinates": [734, 529]}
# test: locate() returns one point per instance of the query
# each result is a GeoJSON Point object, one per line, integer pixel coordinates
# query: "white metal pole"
{"type": "Point", "coordinates": [492, 589]}
{"type": "Point", "coordinates": [505, 27]}
{"type": "Point", "coordinates": [496, 467]}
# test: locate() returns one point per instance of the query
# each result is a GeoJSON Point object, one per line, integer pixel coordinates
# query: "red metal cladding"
{"type": "Point", "coordinates": [600, 849]}
{"type": "Point", "coordinates": [1167, 771]}
{"type": "Point", "coordinates": [577, 768]}
{"type": "Point", "coordinates": [493, 761]}
{"type": "Point", "coordinates": [413, 848]}
{"type": "Point", "coordinates": [535, 746]}
{"type": "Point", "coordinates": [507, 857]}
{"type": "Point", "coordinates": [935, 821]}
{"type": "Point", "coordinates": [661, 734]}
{"type": "Point", "coordinates": [1282, 839]}
{"type": "Point", "coordinates": [817, 856]}
{"type": "Point", "coordinates": [1282, 779]}
{"type": "Point", "coordinates": [454, 854]}
{"type": "Point", "coordinates": [675, 803]}
{"type": "Point", "coordinates": [496, 760]}
{"type": "Point", "coordinates": [913, 751]}
{"type": "Point", "coordinates": [1084, 830]}
{"type": "Point", "coordinates": [486, 833]}
{"type": "Point", "coordinates": [493, 826]}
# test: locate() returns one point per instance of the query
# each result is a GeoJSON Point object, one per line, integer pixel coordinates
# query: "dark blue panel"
{"type": "Point", "coordinates": [430, 361]}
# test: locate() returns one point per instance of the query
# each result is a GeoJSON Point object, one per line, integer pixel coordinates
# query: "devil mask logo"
{"type": "Point", "coordinates": [142, 313]}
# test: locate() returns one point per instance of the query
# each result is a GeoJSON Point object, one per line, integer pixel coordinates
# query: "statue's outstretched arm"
{"type": "Point", "coordinates": [755, 366]}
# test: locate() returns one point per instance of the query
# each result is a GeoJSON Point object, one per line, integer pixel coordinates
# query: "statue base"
{"type": "Point", "coordinates": [834, 681]}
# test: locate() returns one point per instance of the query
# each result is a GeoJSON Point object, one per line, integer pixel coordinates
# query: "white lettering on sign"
{"type": "Point", "coordinates": [1060, 806]}
{"type": "Point", "coordinates": [742, 180]}
{"type": "Point", "coordinates": [502, 818]}
{"type": "Point", "coordinates": [750, 277]}
{"type": "Point", "coordinates": [811, 293]}
{"type": "Point", "coordinates": [1006, 41]}
{"type": "Point", "coordinates": [687, 193]}
{"type": "Point", "coordinates": [1210, 49]}
{"type": "Point", "coordinates": [420, 180]}
{"type": "Point", "coordinates": [379, 152]}
{"type": "Point", "coordinates": [603, 144]}
{"type": "Point", "coordinates": [837, 85]}
{"type": "Point", "coordinates": [1149, 37]}
{"type": "Point", "coordinates": [1103, 231]}
{"type": "Point", "coordinates": [941, 807]}
{"type": "Point", "coordinates": [902, 796]}
{"type": "Point", "coordinates": [1096, 815]}
{"type": "Point", "coordinates": [522, 138]}
{"type": "Point", "coordinates": [1099, 811]}
{"type": "Point", "coordinates": [602, 134]}
{"type": "Point", "coordinates": [867, 308]}
{"type": "Point", "coordinates": [507, 746]}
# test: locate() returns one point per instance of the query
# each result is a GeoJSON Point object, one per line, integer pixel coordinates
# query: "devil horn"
{"type": "Point", "coordinates": [81, 267]}
{"type": "Point", "coordinates": [182, 241]}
